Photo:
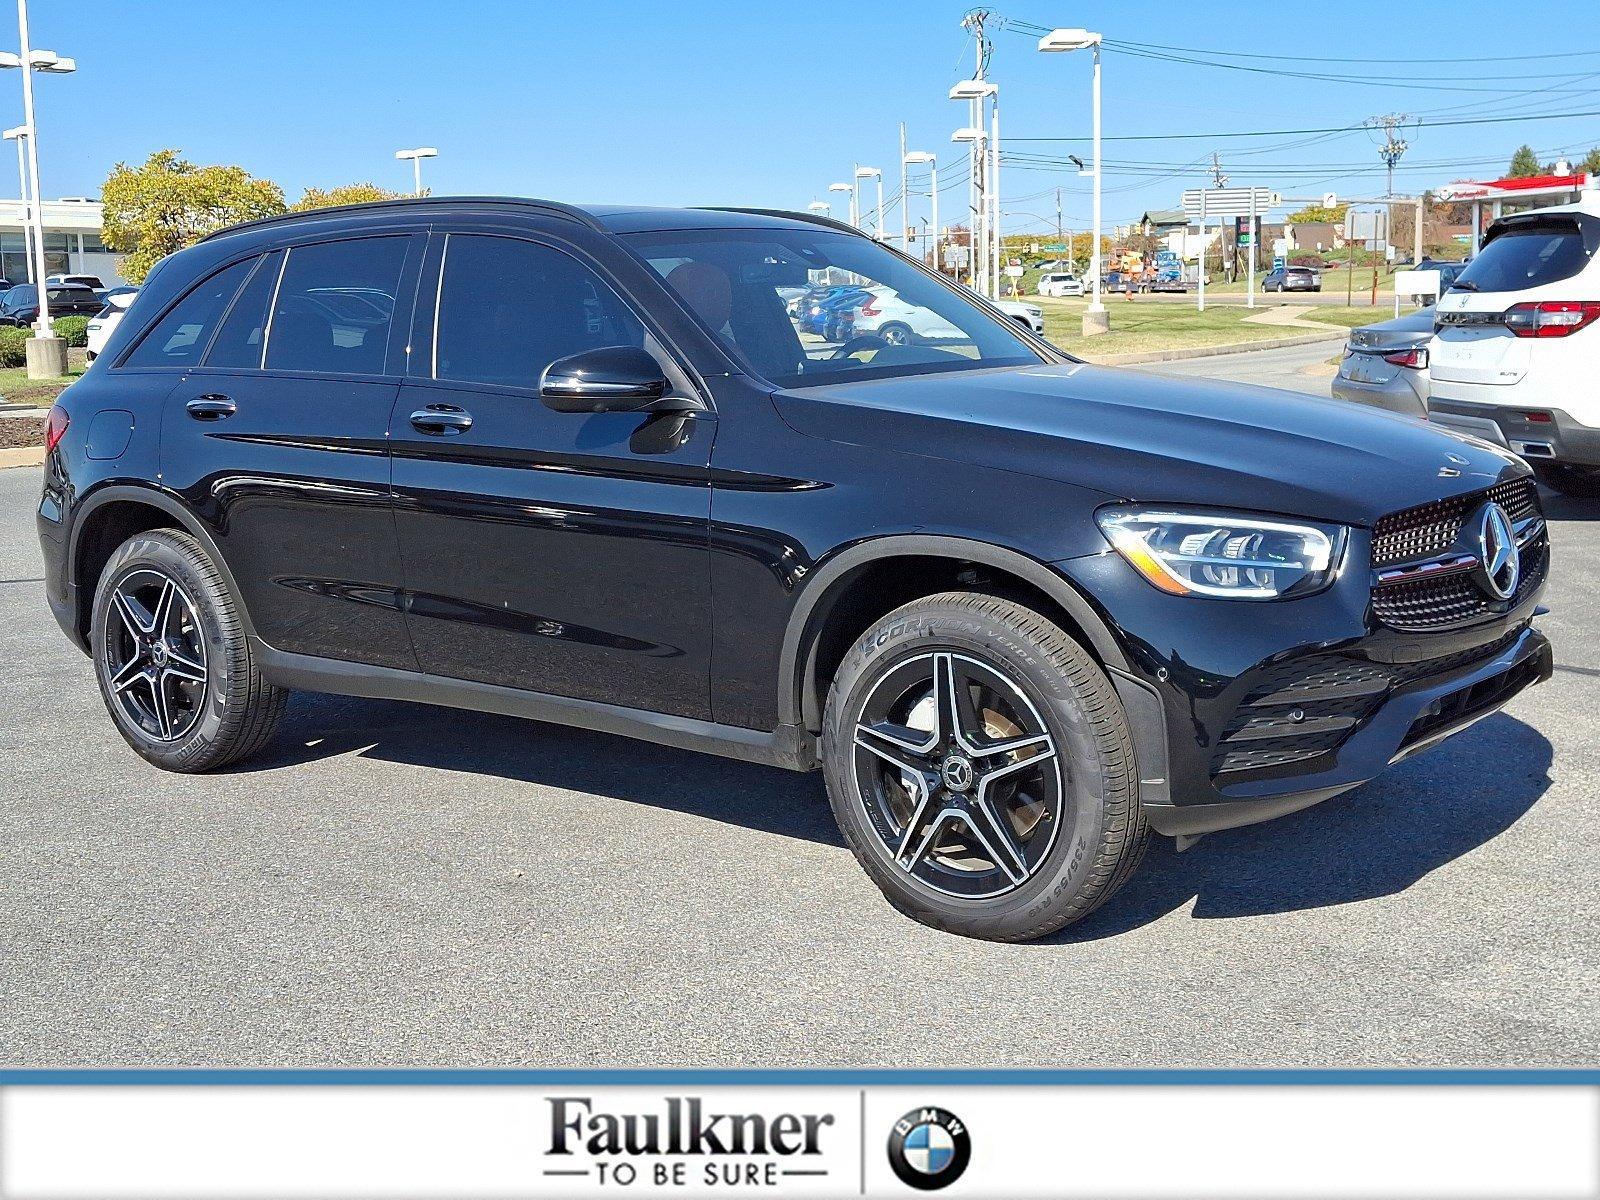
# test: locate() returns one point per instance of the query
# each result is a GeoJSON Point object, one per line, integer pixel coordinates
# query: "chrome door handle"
{"type": "Point", "coordinates": [211, 407]}
{"type": "Point", "coordinates": [441, 420]}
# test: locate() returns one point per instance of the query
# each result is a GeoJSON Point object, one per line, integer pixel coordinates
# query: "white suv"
{"type": "Point", "coordinates": [1513, 359]}
{"type": "Point", "coordinates": [1060, 284]}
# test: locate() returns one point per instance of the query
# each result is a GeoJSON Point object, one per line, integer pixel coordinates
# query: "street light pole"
{"type": "Point", "coordinates": [37, 213]}
{"type": "Point", "coordinates": [922, 156]}
{"type": "Point", "coordinates": [846, 187]}
{"type": "Point", "coordinates": [905, 197]}
{"type": "Point", "coordinates": [416, 155]}
{"type": "Point", "coordinates": [998, 257]}
{"type": "Point", "coordinates": [20, 136]}
{"type": "Point", "coordinates": [1095, 318]}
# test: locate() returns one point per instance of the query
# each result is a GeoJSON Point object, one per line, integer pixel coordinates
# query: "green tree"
{"type": "Point", "coordinates": [349, 193]}
{"type": "Point", "coordinates": [1523, 163]}
{"type": "Point", "coordinates": [1590, 162]}
{"type": "Point", "coordinates": [169, 203]}
{"type": "Point", "coordinates": [1319, 214]}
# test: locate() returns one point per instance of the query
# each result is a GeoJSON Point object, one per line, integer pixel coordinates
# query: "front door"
{"type": "Point", "coordinates": [553, 552]}
{"type": "Point", "coordinates": [276, 436]}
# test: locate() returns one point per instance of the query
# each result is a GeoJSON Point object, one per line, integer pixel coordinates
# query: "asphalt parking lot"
{"type": "Point", "coordinates": [400, 885]}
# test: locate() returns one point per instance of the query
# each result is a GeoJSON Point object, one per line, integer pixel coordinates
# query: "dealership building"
{"type": "Point", "coordinates": [72, 243]}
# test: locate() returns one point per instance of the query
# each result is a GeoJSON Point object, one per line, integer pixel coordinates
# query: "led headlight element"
{"type": "Point", "coordinates": [1223, 555]}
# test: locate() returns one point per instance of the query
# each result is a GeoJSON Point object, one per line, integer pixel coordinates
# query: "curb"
{"type": "Point", "coordinates": [22, 456]}
{"type": "Point", "coordinates": [1155, 356]}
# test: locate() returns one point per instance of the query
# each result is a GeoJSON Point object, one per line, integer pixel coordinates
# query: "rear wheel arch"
{"type": "Point", "coordinates": [863, 583]}
{"type": "Point", "coordinates": [110, 516]}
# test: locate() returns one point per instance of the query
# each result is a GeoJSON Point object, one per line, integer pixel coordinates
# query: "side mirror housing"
{"type": "Point", "coordinates": [608, 379]}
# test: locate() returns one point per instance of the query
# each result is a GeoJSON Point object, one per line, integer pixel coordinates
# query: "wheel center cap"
{"type": "Point", "coordinates": [158, 653]}
{"type": "Point", "coordinates": [957, 773]}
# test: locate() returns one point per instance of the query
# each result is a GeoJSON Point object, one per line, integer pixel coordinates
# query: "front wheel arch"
{"type": "Point", "coordinates": [801, 691]}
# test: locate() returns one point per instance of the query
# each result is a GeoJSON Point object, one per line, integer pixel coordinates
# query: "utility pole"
{"type": "Point", "coordinates": [905, 205]}
{"type": "Point", "coordinates": [1218, 177]}
{"type": "Point", "coordinates": [980, 243]}
{"type": "Point", "coordinates": [1392, 146]}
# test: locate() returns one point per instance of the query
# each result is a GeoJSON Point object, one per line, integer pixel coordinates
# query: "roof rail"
{"type": "Point", "coordinates": [546, 207]}
{"type": "Point", "coordinates": [810, 218]}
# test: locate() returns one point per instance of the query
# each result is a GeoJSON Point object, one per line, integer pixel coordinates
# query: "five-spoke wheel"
{"type": "Point", "coordinates": [156, 654]}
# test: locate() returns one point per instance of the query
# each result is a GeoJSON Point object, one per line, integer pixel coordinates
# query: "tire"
{"type": "Point", "coordinates": [1087, 830]}
{"type": "Point", "coordinates": [1580, 483]}
{"type": "Point", "coordinates": [897, 333]}
{"type": "Point", "coordinates": [162, 616]}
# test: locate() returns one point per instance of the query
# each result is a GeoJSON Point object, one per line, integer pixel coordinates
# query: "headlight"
{"type": "Point", "coordinates": [1219, 554]}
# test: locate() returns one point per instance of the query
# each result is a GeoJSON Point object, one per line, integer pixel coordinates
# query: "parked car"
{"type": "Point", "coordinates": [20, 305]}
{"type": "Point", "coordinates": [1117, 281]}
{"type": "Point", "coordinates": [1023, 313]}
{"type": "Point", "coordinates": [1292, 279]}
{"type": "Point", "coordinates": [882, 312]}
{"type": "Point", "coordinates": [1386, 364]}
{"type": "Point", "coordinates": [102, 324]}
{"type": "Point", "coordinates": [1060, 284]}
{"type": "Point", "coordinates": [1019, 609]}
{"type": "Point", "coordinates": [824, 314]}
{"type": "Point", "coordinates": [1513, 359]}
{"type": "Point", "coordinates": [88, 281]}
{"type": "Point", "coordinates": [1448, 272]}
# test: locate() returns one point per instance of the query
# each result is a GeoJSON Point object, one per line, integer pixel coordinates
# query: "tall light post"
{"type": "Point", "coordinates": [1095, 318]}
{"type": "Point", "coordinates": [922, 156]}
{"type": "Point", "coordinates": [416, 155]}
{"type": "Point", "coordinates": [871, 173]}
{"type": "Point", "coordinates": [50, 359]}
{"type": "Point", "coordinates": [849, 188]}
{"type": "Point", "coordinates": [820, 208]}
{"type": "Point", "coordinates": [977, 240]}
{"type": "Point", "coordinates": [975, 92]}
{"type": "Point", "coordinates": [19, 135]}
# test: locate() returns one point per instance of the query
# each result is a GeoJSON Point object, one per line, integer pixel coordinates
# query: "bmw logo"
{"type": "Point", "coordinates": [929, 1148]}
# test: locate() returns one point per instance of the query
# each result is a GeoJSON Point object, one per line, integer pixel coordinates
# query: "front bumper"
{"type": "Point", "coordinates": [1561, 439]}
{"type": "Point", "coordinates": [1244, 712]}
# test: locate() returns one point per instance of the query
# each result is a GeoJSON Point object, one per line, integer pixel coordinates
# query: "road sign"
{"type": "Point", "coordinates": [1014, 270]}
{"type": "Point", "coordinates": [956, 257]}
{"type": "Point", "coordinates": [1330, 199]}
{"type": "Point", "coordinates": [1221, 204]}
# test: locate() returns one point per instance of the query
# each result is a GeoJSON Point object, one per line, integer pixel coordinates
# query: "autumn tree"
{"type": "Point", "coordinates": [1319, 214]}
{"type": "Point", "coordinates": [169, 203]}
{"type": "Point", "coordinates": [349, 193]}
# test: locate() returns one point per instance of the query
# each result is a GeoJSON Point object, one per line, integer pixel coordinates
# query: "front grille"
{"type": "Point", "coordinates": [1447, 601]}
{"type": "Point", "coordinates": [1306, 708]}
{"type": "Point", "coordinates": [1432, 528]}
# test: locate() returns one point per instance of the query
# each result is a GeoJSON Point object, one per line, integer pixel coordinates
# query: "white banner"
{"type": "Point", "coordinates": [182, 1142]}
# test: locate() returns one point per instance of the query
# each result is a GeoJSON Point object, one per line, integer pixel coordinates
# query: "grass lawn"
{"type": "Point", "coordinates": [1143, 326]}
{"type": "Point", "coordinates": [17, 388]}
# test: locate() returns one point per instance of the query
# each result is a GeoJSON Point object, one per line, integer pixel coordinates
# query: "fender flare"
{"type": "Point", "coordinates": [800, 635]}
{"type": "Point", "coordinates": [182, 516]}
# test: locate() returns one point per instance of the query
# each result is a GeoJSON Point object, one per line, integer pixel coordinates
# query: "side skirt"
{"type": "Point", "coordinates": [788, 746]}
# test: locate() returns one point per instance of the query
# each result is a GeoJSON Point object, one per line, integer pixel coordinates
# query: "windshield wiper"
{"type": "Point", "coordinates": [1463, 285]}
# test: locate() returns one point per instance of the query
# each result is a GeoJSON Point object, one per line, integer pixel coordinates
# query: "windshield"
{"type": "Point", "coordinates": [811, 306]}
{"type": "Point", "coordinates": [1525, 257]}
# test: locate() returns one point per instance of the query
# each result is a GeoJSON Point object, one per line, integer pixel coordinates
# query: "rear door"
{"type": "Point", "coordinates": [554, 552]}
{"type": "Point", "coordinates": [276, 434]}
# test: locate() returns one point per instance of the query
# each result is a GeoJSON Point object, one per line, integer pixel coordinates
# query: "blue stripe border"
{"type": "Point", "coordinates": [515, 1077]}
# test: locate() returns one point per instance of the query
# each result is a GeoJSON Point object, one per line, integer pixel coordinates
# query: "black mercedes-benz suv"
{"type": "Point", "coordinates": [581, 465]}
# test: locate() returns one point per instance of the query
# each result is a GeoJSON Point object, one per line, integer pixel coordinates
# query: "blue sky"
{"type": "Point", "coordinates": [712, 101]}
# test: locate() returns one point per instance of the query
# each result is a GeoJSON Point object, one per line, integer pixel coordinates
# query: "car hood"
{"type": "Point", "coordinates": [1142, 437]}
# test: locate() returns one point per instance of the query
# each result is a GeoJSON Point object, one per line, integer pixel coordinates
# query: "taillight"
{"type": "Point", "coordinates": [1550, 318]}
{"type": "Point", "coordinates": [1408, 358]}
{"type": "Point", "coordinates": [55, 427]}
{"type": "Point", "coordinates": [869, 309]}
{"type": "Point", "coordinates": [1538, 418]}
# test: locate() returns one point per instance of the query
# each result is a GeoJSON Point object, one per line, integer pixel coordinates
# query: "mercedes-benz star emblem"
{"type": "Point", "coordinates": [1497, 545]}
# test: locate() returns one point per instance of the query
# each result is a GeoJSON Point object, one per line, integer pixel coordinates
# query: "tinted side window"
{"type": "Point", "coordinates": [238, 343]}
{"type": "Point", "coordinates": [21, 296]}
{"type": "Point", "coordinates": [180, 337]}
{"type": "Point", "coordinates": [508, 309]}
{"type": "Point", "coordinates": [336, 306]}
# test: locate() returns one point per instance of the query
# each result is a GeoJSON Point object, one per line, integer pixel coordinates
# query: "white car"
{"type": "Point", "coordinates": [1060, 284]}
{"type": "Point", "coordinates": [1513, 359]}
{"type": "Point", "coordinates": [106, 320]}
{"type": "Point", "coordinates": [1023, 313]}
{"type": "Point", "coordinates": [897, 322]}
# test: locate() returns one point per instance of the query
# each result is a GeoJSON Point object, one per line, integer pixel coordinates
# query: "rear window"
{"type": "Point", "coordinates": [180, 337]}
{"type": "Point", "coordinates": [1526, 257]}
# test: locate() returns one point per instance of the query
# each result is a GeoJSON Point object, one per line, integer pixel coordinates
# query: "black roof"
{"type": "Point", "coordinates": [605, 218]}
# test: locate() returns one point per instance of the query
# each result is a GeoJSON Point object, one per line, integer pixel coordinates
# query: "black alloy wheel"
{"type": "Point", "coordinates": [156, 654]}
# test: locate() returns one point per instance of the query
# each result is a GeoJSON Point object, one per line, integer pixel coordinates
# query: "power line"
{"type": "Point", "coordinates": [1392, 61]}
{"type": "Point", "coordinates": [1173, 137]}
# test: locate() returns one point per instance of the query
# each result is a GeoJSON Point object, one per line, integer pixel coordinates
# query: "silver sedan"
{"type": "Point", "coordinates": [1386, 365]}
